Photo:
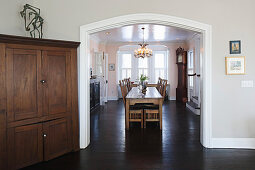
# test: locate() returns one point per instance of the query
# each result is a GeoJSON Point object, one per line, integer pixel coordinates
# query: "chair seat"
{"type": "Point", "coordinates": [139, 106]}
{"type": "Point", "coordinates": [135, 107]}
{"type": "Point", "coordinates": [151, 107]}
{"type": "Point", "coordinates": [144, 104]}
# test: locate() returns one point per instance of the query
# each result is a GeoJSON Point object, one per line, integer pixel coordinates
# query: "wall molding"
{"type": "Point", "coordinates": [172, 98]}
{"type": "Point", "coordinates": [244, 143]}
{"type": "Point", "coordinates": [193, 110]}
{"type": "Point", "coordinates": [113, 98]}
{"type": "Point", "coordinates": [145, 18]}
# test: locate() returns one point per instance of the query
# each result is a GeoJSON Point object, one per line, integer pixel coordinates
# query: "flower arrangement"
{"type": "Point", "coordinates": [143, 78]}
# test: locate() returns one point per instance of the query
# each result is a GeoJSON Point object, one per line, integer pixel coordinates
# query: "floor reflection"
{"type": "Point", "coordinates": [177, 146]}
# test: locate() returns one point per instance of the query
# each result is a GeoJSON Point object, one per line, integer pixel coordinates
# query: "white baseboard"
{"type": "Point", "coordinates": [195, 111]}
{"type": "Point", "coordinates": [171, 98]}
{"type": "Point", "coordinates": [244, 143]}
{"type": "Point", "coordinates": [113, 98]}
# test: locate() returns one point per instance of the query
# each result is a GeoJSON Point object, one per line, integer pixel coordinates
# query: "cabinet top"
{"type": "Point", "coordinates": [36, 41]}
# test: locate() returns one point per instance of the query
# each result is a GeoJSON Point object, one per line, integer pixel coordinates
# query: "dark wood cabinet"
{"type": "Point", "coordinates": [92, 101]}
{"type": "Point", "coordinates": [94, 94]}
{"type": "Point", "coordinates": [181, 61]}
{"type": "Point", "coordinates": [97, 93]}
{"type": "Point", "coordinates": [38, 100]}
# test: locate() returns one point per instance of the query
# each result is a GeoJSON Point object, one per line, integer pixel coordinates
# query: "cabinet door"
{"type": "Point", "coordinates": [25, 146]}
{"type": "Point", "coordinates": [97, 93]}
{"type": "Point", "coordinates": [57, 86]}
{"type": "Point", "coordinates": [57, 139]}
{"type": "Point", "coordinates": [92, 96]}
{"type": "Point", "coordinates": [23, 86]}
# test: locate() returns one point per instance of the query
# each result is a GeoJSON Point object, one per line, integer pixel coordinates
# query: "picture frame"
{"type": "Point", "coordinates": [111, 67]}
{"type": "Point", "coordinates": [235, 65]}
{"type": "Point", "coordinates": [235, 47]}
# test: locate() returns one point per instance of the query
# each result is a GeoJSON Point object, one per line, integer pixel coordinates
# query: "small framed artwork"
{"type": "Point", "coordinates": [235, 47]}
{"type": "Point", "coordinates": [235, 65]}
{"type": "Point", "coordinates": [111, 67]}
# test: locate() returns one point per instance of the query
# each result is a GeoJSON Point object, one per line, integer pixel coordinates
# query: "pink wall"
{"type": "Point", "coordinates": [112, 48]}
{"type": "Point", "coordinates": [173, 72]}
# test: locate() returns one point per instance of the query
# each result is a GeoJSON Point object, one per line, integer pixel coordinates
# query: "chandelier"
{"type": "Point", "coordinates": [143, 51]}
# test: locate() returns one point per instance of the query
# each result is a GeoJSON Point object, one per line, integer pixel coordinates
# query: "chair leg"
{"type": "Point", "coordinates": [141, 122]}
{"type": "Point", "coordinates": [144, 119]}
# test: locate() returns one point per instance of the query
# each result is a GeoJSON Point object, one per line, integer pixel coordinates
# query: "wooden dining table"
{"type": "Point", "coordinates": [136, 96]}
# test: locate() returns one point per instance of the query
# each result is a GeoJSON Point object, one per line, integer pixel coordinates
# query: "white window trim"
{"type": "Point", "coordinates": [135, 63]}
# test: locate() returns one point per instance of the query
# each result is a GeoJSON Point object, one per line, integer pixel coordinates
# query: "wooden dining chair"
{"type": "Point", "coordinates": [135, 111]}
{"type": "Point", "coordinates": [129, 86]}
{"type": "Point", "coordinates": [151, 115]}
{"type": "Point", "coordinates": [163, 88]}
{"type": "Point", "coordinates": [159, 83]}
{"type": "Point", "coordinates": [151, 112]}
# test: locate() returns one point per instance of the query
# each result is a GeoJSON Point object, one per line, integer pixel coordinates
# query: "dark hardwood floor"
{"type": "Point", "coordinates": [176, 147]}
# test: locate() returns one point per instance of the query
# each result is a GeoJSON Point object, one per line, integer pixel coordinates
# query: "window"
{"type": "Point", "coordinates": [143, 67]}
{"type": "Point", "coordinates": [160, 60]}
{"type": "Point", "coordinates": [191, 68]}
{"type": "Point", "coordinates": [153, 67]}
{"type": "Point", "coordinates": [125, 65]}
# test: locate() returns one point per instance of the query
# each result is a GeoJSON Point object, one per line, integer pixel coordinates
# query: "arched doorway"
{"type": "Point", "coordinates": [206, 96]}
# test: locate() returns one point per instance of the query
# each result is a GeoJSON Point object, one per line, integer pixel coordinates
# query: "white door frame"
{"type": "Point", "coordinates": [106, 77]}
{"type": "Point", "coordinates": [149, 18]}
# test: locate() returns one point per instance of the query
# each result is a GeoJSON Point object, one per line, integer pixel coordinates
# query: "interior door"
{"type": "Point", "coordinates": [25, 146]}
{"type": "Point", "coordinates": [23, 88]}
{"type": "Point", "coordinates": [57, 140]}
{"type": "Point", "coordinates": [191, 75]}
{"type": "Point", "coordinates": [102, 74]}
{"type": "Point", "coordinates": [56, 82]}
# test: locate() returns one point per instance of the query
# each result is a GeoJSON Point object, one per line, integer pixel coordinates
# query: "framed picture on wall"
{"type": "Point", "coordinates": [235, 47]}
{"type": "Point", "coordinates": [111, 67]}
{"type": "Point", "coordinates": [235, 65]}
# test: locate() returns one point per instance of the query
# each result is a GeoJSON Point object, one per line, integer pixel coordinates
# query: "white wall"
{"type": "Point", "coordinates": [233, 111]}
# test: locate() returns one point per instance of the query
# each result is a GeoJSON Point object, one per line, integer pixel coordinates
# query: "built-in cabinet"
{"type": "Point", "coordinates": [94, 93]}
{"type": "Point", "coordinates": [39, 102]}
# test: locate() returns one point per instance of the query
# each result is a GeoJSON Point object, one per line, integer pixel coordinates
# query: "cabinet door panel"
{"type": "Point", "coordinates": [25, 146]}
{"type": "Point", "coordinates": [57, 90]}
{"type": "Point", "coordinates": [23, 90]}
{"type": "Point", "coordinates": [97, 93]}
{"type": "Point", "coordinates": [3, 143]}
{"type": "Point", "coordinates": [57, 139]}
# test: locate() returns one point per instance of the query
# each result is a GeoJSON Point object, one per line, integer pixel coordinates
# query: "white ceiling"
{"type": "Point", "coordinates": [152, 33]}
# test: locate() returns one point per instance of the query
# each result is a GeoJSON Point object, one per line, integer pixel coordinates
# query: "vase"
{"type": "Point", "coordinates": [143, 84]}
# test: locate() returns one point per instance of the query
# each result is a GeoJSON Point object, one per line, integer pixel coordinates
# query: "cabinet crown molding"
{"type": "Point", "coordinates": [37, 41]}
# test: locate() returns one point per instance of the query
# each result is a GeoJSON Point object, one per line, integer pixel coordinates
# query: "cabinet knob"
{"type": "Point", "coordinates": [43, 81]}
{"type": "Point", "coordinates": [44, 135]}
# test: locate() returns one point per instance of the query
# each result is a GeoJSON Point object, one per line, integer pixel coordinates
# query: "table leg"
{"type": "Point", "coordinates": [127, 114]}
{"type": "Point", "coordinates": [160, 112]}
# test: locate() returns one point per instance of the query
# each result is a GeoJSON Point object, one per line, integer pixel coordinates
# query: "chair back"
{"type": "Point", "coordinates": [163, 88]}
{"type": "Point", "coordinates": [159, 83]}
{"type": "Point", "coordinates": [124, 92]}
{"type": "Point", "coordinates": [128, 82]}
